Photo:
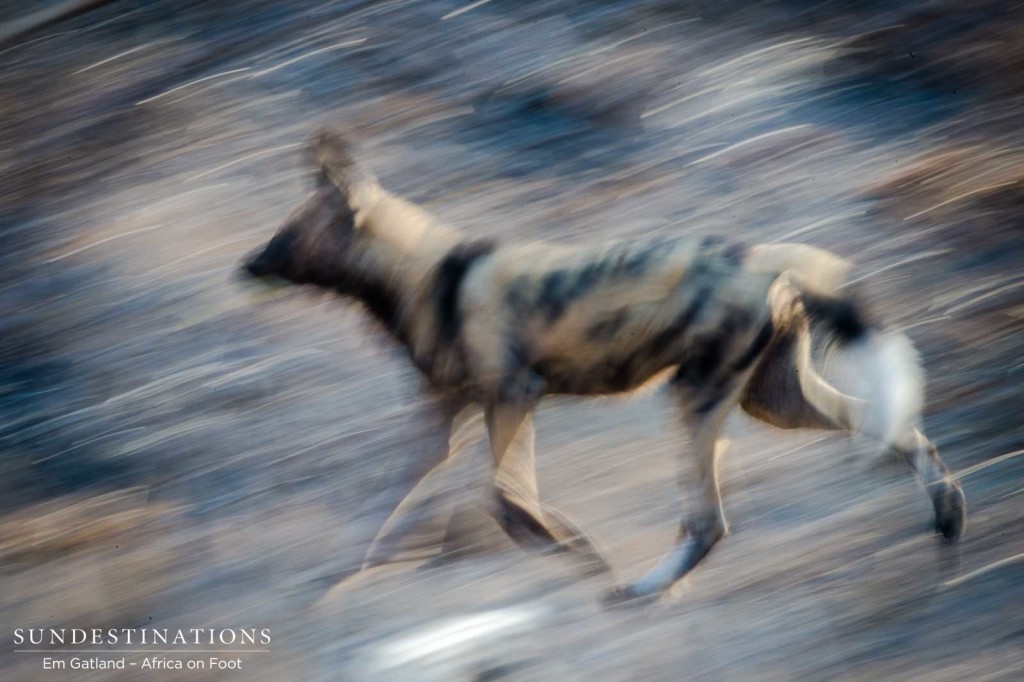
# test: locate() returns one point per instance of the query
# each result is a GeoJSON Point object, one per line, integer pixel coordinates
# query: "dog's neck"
{"type": "Point", "coordinates": [401, 246]}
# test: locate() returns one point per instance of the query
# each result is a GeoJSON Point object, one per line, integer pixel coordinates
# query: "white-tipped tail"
{"type": "Point", "coordinates": [881, 368]}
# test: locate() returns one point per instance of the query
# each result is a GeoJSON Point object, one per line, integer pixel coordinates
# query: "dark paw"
{"type": "Point", "coordinates": [950, 512]}
{"type": "Point", "coordinates": [627, 596]}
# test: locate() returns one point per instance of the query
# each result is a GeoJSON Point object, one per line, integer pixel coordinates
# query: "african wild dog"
{"type": "Point", "coordinates": [503, 325]}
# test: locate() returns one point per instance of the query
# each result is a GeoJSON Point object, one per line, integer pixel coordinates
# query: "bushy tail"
{"type": "Point", "coordinates": [878, 366]}
{"type": "Point", "coordinates": [864, 361]}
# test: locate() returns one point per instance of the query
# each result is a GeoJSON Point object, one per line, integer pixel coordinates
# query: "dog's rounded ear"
{"type": "Point", "coordinates": [331, 155]}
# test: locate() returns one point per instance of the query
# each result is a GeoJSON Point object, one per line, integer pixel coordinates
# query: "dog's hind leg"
{"type": "Point", "coordinates": [517, 504]}
{"type": "Point", "coordinates": [946, 494]}
{"type": "Point", "coordinates": [703, 523]}
{"type": "Point", "coordinates": [787, 392]}
{"type": "Point", "coordinates": [844, 411]}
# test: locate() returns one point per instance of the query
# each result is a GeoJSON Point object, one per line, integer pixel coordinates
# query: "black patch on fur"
{"type": "Point", "coordinates": [638, 262]}
{"type": "Point", "coordinates": [560, 288]}
{"type": "Point", "coordinates": [551, 374]}
{"type": "Point", "coordinates": [706, 357]}
{"type": "Point", "coordinates": [703, 365]}
{"type": "Point", "coordinates": [842, 316]}
{"type": "Point", "coordinates": [380, 301]}
{"type": "Point", "coordinates": [553, 299]}
{"type": "Point", "coordinates": [735, 254]}
{"type": "Point", "coordinates": [665, 337]}
{"type": "Point", "coordinates": [523, 387]}
{"type": "Point", "coordinates": [521, 383]}
{"type": "Point", "coordinates": [611, 377]}
{"type": "Point", "coordinates": [738, 319]}
{"type": "Point", "coordinates": [622, 376]}
{"type": "Point", "coordinates": [709, 351]}
{"type": "Point", "coordinates": [450, 274]}
{"type": "Point", "coordinates": [516, 297]}
{"type": "Point", "coordinates": [586, 278]}
{"type": "Point", "coordinates": [761, 341]}
{"type": "Point", "coordinates": [605, 330]}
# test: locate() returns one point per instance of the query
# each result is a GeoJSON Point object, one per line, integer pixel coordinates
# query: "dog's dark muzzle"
{"type": "Point", "coordinates": [272, 260]}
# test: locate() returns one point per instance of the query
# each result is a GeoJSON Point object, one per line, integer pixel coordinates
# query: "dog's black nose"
{"type": "Point", "coordinates": [273, 258]}
{"type": "Point", "coordinates": [256, 265]}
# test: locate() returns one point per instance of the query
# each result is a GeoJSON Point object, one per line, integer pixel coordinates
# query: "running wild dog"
{"type": "Point", "coordinates": [503, 325]}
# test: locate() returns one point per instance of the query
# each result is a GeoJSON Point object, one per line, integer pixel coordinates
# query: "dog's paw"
{"type": "Point", "coordinates": [950, 512]}
{"type": "Point", "coordinates": [627, 596]}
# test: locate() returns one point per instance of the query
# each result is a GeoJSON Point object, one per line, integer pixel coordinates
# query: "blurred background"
{"type": "Point", "coordinates": [178, 452]}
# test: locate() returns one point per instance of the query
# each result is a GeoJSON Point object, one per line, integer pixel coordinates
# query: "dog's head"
{"type": "Point", "coordinates": [318, 243]}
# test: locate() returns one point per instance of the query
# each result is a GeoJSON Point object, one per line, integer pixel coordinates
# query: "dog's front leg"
{"type": "Point", "coordinates": [517, 505]}
{"type": "Point", "coordinates": [404, 508]}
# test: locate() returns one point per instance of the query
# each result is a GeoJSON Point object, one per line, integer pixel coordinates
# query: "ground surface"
{"type": "Point", "coordinates": [176, 451]}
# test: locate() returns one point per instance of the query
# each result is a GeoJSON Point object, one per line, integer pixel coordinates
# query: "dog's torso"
{"type": "Point", "coordinates": [536, 319]}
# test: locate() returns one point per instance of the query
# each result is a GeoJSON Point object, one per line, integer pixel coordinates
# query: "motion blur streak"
{"type": "Point", "coordinates": [178, 451]}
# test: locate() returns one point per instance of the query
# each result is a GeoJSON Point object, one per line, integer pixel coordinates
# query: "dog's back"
{"type": "Point", "coordinates": [605, 319]}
